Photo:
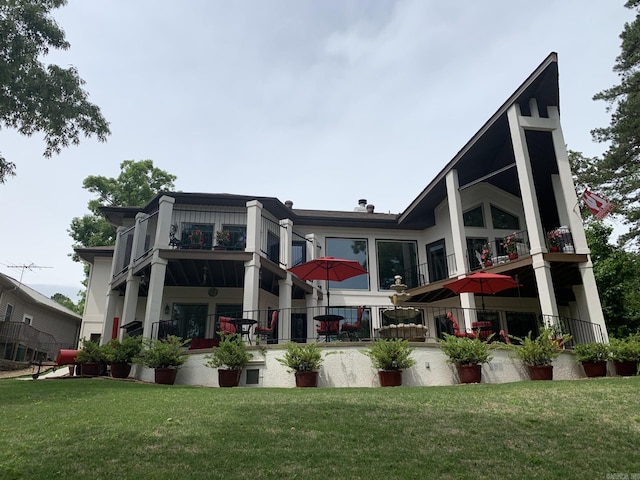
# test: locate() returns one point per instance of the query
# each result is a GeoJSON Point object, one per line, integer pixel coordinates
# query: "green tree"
{"type": "Point", "coordinates": [66, 302]}
{"type": "Point", "coordinates": [619, 177]}
{"type": "Point", "coordinates": [138, 182]}
{"type": "Point", "coordinates": [617, 274]}
{"type": "Point", "coordinates": [37, 97]}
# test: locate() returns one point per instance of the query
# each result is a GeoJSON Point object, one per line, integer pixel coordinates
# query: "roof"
{"type": "Point", "coordinates": [9, 284]}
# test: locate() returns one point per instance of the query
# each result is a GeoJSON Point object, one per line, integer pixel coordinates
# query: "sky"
{"type": "Point", "coordinates": [317, 102]}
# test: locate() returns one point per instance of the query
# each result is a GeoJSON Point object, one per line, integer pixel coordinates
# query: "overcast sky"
{"type": "Point", "coordinates": [319, 102]}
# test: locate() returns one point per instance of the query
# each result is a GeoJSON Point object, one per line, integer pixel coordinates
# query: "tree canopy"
{"type": "Point", "coordinates": [35, 97]}
{"type": "Point", "coordinates": [617, 174]}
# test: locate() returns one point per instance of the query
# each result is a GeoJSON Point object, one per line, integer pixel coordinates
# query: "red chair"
{"type": "Point", "coordinates": [456, 327]}
{"type": "Point", "coordinates": [225, 326]}
{"type": "Point", "coordinates": [268, 332]}
{"type": "Point", "coordinates": [351, 329]}
{"type": "Point", "coordinates": [328, 329]}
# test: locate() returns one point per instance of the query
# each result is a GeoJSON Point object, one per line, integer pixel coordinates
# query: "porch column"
{"type": "Point", "coordinates": [250, 299]}
{"type": "Point", "coordinates": [136, 244]}
{"type": "Point", "coordinates": [589, 303]}
{"type": "Point", "coordinates": [284, 305]}
{"type": "Point", "coordinates": [254, 226]}
{"type": "Point", "coordinates": [468, 304]}
{"type": "Point", "coordinates": [110, 311]}
{"type": "Point", "coordinates": [286, 238]}
{"type": "Point", "coordinates": [457, 224]}
{"type": "Point", "coordinates": [525, 177]}
{"type": "Point", "coordinates": [130, 300]}
{"type": "Point", "coordinates": [567, 187]}
{"type": "Point", "coordinates": [163, 227]}
{"type": "Point", "coordinates": [154, 296]}
{"type": "Point", "coordinates": [544, 282]}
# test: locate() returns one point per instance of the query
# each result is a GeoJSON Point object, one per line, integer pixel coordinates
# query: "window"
{"type": "Point", "coordinates": [238, 234]}
{"type": "Point", "coordinates": [197, 235]}
{"type": "Point", "coordinates": [190, 321]}
{"type": "Point", "coordinates": [443, 325]}
{"type": "Point", "coordinates": [298, 252]}
{"type": "Point", "coordinates": [350, 249]}
{"type": "Point", "coordinates": [437, 261]}
{"type": "Point", "coordinates": [27, 319]}
{"type": "Point", "coordinates": [397, 258]}
{"type": "Point", "coordinates": [504, 220]}
{"type": "Point", "coordinates": [8, 313]}
{"type": "Point", "coordinates": [474, 217]}
{"type": "Point", "coordinates": [474, 249]}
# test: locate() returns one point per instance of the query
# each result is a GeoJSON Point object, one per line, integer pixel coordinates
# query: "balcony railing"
{"type": "Point", "coordinates": [270, 239]}
{"type": "Point", "coordinates": [20, 342]}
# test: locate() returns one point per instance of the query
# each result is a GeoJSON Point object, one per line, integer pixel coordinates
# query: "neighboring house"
{"type": "Point", "coordinates": [32, 326]}
{"type": "Point", "coordinates": [185, 259]}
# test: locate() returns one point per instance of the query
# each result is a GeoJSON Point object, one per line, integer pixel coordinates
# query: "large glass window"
{"type": "Point", "coordinates": [397, 258]}
{"type": "Point", "coordinates": [350, 249]}
{"type": "Point", "coordinates": [504, 220]}
{"type": "Point", "coordinates": [437, 261]}
{"type": "Point", "coordinates": [189, 320]}
{"type": "Point", "coordinates": [473, 217]}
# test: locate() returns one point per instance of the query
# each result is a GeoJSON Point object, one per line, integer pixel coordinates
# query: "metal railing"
{"type": "Point", "coordinates": [123, 253]}
{"type": "Point", "coordinates": [270, 239]}
{"type": "Point", "coordinates": [20, 342]}
{"type": "Point", "coordinates": [146, 236]}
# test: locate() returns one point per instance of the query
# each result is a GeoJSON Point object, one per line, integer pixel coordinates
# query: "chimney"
{"type": "Point", "coordinates": [288, 203]}
{"type": "Point", "coordinates": [362, 205]}
{"type": "Point", "coordinates": [370, 208]}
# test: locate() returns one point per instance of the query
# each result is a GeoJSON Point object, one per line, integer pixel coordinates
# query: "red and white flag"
{"type": "Point", "coordinates": [599, 206]}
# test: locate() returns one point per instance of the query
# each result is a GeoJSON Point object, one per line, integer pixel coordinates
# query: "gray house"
{"type": "Point", "coordinates": [32, 326]}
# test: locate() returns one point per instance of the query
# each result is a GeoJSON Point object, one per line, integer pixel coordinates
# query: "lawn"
{"type": "Point", "coordinates": [107, 429]}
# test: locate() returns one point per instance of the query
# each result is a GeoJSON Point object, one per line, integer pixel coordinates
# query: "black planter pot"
{"type": "Point", "coordinates": [469, 373]}
{"type": "Point", "coordinates": [627, 368]}
{"type": "Point", "coordinates": [390, 378]}
{"type": "Point", "coordinates": [91, 369]}
{"type": "Point", "coordinates": [228, 378]}
{"type": "Point", "coordinates": [166, 376]}
{"type": "Point", "coordinates": [595, 369]}
{"type": "Point", "coordinates": [541, 372]}
{"type": "Point", "coordinates": [306, 379]}
{"type": "Point", "coordinates": [120, 369]}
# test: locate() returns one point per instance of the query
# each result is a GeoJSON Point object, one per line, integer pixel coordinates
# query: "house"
{"type": "Point", "coordinates": [33, 327]}
{"type": "Point", "coordinates": [506, 203]}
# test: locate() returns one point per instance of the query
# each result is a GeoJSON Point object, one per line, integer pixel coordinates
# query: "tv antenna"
{"type": "Point", "coordinates": [31, 267]}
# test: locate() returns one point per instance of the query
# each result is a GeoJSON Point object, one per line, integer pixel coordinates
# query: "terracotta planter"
{"type": "Point", "coordinates": [469, 373]}
{"type": "Point", "coordinates": [595, 369]}
{"type": "Point", "coordinates": [120, 370]}
{"type": "Point", "coordinates": [306, 379]}
{"type": "Point", "coordinates": [91, 369]}
{"type": "Point", "coordinates": [166, 376]}
{"type": "Point", "coordinates": [627, 368]}
{"type": "Point", "coordinates": [228, 378]}
{"type": "Point", "coordinates": [390, 378]}
{"type": "Point", "coordinates": [488, 263]}
{"type": "Point", "coordinates": [513, 256]}
{"type": "Point", "coordinates": [554, 249]}
{"type": "Point", "coordinates": [541, 372]}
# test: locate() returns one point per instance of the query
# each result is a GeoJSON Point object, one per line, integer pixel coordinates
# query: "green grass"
{"type": "Point", "coordinates": [104, 429]}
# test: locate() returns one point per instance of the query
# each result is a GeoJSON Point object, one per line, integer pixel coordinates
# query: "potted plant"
{"type": "Point", "coordinates": [229, 357]}
{"type": "Point", "coordinates": [625, 353]}
{"type": "Point", "coordinates": [554, 237]}
{"type": "Point", "coordinates": [468, 355]}
{"type": "Point", "coordinates": [305, 360]}
{"type": "Point", "coordinates": [485, 255]}
{"type": "Point", "coordinates": [120, 355]}
{"type": "Point", "coordinates": [593, 356]}
{"type": "Point", "coordinates": [164, 356]}
{"type": "Point", "coordinates": [390, 357]}
{"type": "Point", "coordinates": [538, 353]}
{"type": "Point", "coordinates": [197, 238]}
{"type": "Point", "coordinates": [510, 244]}
{"type": "Point", "coordinates": [223, 239]}
{"type": "Point", "coordinates": [91, 358]}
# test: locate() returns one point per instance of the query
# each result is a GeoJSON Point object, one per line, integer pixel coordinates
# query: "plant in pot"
{"type": "Point", "coordinates": [304, 360]}
{"type": "Point", "coordinates": [223, 239]}
{"type": "Point", "coordinates": [510, 244]}
{"type": "Point", "coordinates": [593, 356]}
{"type": "Point", "coordinates": [390, 357]}
{"type": "Point", "coordinates": [120, 355]}
{"type": "Point", "coordinates": [229, 357]}
{"type": "Point", "coordinates": [625, 353]}
{"type": "Point", "coordinates": [554, 237]}
{"type": "Point", "coordinates": [164, 356]}
{"type": "Point", "coordinates": [538, 353]}
{"type": "Point", "coordinates": [468, 355]}
{"type": "Point", "coordinates": [91, 358]}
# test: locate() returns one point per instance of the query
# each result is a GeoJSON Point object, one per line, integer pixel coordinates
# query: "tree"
{"type": "Point", "coordinates": [66, 302]}
{"type": "Point", "coordinates": [35, 97]}
{"type": "Point", "coordinates": [137, 183]}
{"type": "Point", "coordinates": [620, 165]}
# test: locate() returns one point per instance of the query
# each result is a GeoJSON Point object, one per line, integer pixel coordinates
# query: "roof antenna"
{"type": "Point", "coordinates": [24, 267]}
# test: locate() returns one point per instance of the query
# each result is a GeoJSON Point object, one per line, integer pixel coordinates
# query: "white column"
{"type": "Point", "coordinates": [457, 225]}
{"type": "Point", "coordinates": [525, 180]}
{"type": "Point", "coordinates": [591, 300]}
{"type": "Point", "coordinates": [284, 305]}
{"type": "Point", "coordinates": [250, 299]}
{"type": "Point", "coordinates": [130, 300]}
{"type": "Point", "coordinates": [286, 239]}
{"type": "Point", "coordinates": [163, 228]}
{"type": "Point", "coordinates": [544, 281]}
{"type": "Point", "coordinates": [254, 226]}
{"type": "Point", "coordinates": [109, 313]}
{"type": "Point", "coordinates": [154, 296]}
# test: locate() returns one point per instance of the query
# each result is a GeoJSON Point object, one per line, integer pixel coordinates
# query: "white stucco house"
{"type": "Point", "coordinates": [172, 272]}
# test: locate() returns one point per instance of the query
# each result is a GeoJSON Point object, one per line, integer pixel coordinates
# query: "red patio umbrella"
{"type": "Point", "coordinates": [482, 282]}
{"type": "Point", "coordinates": [328, 268]}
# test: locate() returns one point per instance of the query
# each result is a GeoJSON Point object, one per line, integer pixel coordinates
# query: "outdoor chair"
{"type": "Point", "coordinates": [225, 326]}
{"type": "Point", "coordinates": [328, 329]}
{"type": "Point", "coordinates": [268, 332]}
{"type": "Point", "coordinates": [351, 329]}
{"type": "Point", "coordinates": [456, 327]}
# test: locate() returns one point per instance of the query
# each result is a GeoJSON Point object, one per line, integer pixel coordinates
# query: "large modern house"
{"type": "Point", "coordinates": [506, 204]}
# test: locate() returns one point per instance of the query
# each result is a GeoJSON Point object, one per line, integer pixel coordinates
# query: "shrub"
{"type": "Point", "coordinates": [625, 349]}
{"type": "Point", "coordinates": [392, 354]}
{"type": "Point", "coordinates": [464, 350]}
{"type": "Point", "coordinates": [166, 353]}
{"type": "Point", "coordinates": [540, 350]}
{"type": "Point", "coordinates": [124, 351]}
{"type": "Point", "coordinates": [591, 352]}
{"type": "Point", "coordinates": [231, 353]}
{"type": "Point", "coordinates": [90, 352]}
{"type": "Point", "coordinates": [302, 357]}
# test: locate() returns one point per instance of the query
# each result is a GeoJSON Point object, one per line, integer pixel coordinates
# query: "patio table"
{"type": "Point", "coordinates": [331, 323]}
{"type": "Point", "coordinates": [243, 326]}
